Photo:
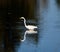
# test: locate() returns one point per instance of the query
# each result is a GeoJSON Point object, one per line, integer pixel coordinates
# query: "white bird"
{"type": "Point", "coordinates": [29, 27]}
{"type": "Point", "coordinates": [27, 32]}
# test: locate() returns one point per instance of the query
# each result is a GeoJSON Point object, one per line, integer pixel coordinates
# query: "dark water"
{"type": "Point", "coordinates": [48, 37]}
{"type": "Point", "coordinates": [45, 39]}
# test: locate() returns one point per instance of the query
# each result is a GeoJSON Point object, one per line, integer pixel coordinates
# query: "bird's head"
{"type": "Point", "coordinates": [22, 18]}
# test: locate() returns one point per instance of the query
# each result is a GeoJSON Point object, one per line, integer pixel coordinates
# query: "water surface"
{"type": "Point", "coordinates": [45, 39]}
{"type": "Point", "coordinates": [48, 37]}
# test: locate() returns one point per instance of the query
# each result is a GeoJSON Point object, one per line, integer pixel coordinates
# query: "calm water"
{"type": "Point", "coordinates": [45, 39]}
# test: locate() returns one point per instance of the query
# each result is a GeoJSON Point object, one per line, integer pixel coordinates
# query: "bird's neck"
{"type": "Point", "coordinates": [25, 22]}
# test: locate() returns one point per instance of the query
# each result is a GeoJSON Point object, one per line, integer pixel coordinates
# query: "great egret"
{"type": "Point", "coordinates": [31, 27]}
{"type": "Point", "coordinates": [27, 32]}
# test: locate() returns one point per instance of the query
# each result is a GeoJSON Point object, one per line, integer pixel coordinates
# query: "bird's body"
{"type": "Point", "coordinates": [30, 27]}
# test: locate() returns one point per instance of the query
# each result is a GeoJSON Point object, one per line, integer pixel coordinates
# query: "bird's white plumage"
{"type": "Point", "coordinates": [32, 27]}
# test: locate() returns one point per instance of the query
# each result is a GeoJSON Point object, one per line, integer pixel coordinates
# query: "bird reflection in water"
{"type": "Point", "coordinates": [28, 32]}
